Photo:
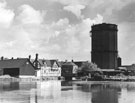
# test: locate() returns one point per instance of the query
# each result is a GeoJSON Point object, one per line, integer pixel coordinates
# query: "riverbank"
{"type": "Point", "coordinates": [33, 79]}
{"type": "Point", "coordinates": [110, 78]}
{"type": "Point", "coordinates": [123, 84]}
{"type": "Point", "coordinates": [7, 78]}
{"type": "Point", "coordinates": [25, 79]}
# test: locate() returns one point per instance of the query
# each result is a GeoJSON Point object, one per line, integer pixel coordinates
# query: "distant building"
{"type": "Point", "coordinates": [104, 46]}
{"type": "Point", "coordinates": [17, 67]}
{"type": "Point", "coordinates": [49, 69]}
{"type": "Point", "coordinates": [69, 69]}
{"type": "Point", "coordinates": [130, 69]}
{"type": "Point", "coordinates": [119, 62]}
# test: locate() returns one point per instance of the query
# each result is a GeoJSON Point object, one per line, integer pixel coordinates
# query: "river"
{"type": "Point", "coordinates": [67, 92]}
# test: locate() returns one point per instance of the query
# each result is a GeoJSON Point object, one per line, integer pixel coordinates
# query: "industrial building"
{"type": "Point", "coordinates": [17, 67]}
{"type": "Point", "coordinates": [104, 46]}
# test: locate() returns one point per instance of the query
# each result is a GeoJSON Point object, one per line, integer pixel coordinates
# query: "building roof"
{"type": "Point", "coordinates": [41, 61]}
{"type": "Point", "coordinates": [122, 68]}
{"type": "Point", "coordinates": [61, 63]}
{"type": "Point", "coordinates": [69, 63]}
{"type": "Point", "coordinates": [14, 63]}
{"type": "Point", "coordinates": [130, 67]}
{"type": "Point", "coordinates": [49, 63]}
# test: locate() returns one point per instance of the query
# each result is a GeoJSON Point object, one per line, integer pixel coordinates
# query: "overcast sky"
{"type": "Point", "coordinates": [59, 29]}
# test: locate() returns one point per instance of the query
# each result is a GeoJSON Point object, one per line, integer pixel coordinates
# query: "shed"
{"type": "Point", "coordinates": [17, 67]}
{"type": "Point", "coordinates": [130, 69]}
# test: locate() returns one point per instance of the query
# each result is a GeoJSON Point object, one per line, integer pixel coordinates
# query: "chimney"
{"type": "Point", "coordinates": [36, 57]}
{"type": "Point", "coordinates": [29, 57]}
{"type": "Point", "coordinates": [66, 61]}
{"type": "Point", "coordinates": [36, 61]}
{"type": "Point", "coordinates": [12, 58]}
{"type": "Point", "coordinates": [2, 58]}
{"type": "Point", "coordinates": [72, 60]}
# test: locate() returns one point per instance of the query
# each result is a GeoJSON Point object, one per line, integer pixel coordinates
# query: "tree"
{"type": "Point", "coordinates": [89, 67]}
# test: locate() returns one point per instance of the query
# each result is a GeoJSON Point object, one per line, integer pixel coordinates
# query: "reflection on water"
{"type": "Point", "coordinates": [104, 94]}
{"type": "Point", "coordinates": [67, 92]}
{"type": "Point", "coordinates": [9, 86]}
{"type": "Point", "coordinates": [65, 86]}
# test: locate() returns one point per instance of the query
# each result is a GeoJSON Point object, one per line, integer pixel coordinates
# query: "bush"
{"type": "Point", "coordinates": [97, 76]}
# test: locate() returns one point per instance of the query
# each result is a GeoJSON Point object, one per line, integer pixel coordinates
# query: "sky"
{"type": "Point", "coordinates": [60, 29]}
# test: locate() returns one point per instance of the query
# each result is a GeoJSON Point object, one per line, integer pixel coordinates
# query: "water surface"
{"type": "Point", "coordinates": [67, 92]}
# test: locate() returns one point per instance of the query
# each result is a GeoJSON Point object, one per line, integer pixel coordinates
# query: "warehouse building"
{"type": "Point", "coordinates": [17, 67]}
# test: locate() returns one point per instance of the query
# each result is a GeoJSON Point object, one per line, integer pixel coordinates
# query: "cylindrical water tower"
{"type": "Point", "coordinates": [104, 45]}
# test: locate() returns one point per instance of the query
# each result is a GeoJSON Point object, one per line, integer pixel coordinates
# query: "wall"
{"type": "Point", "coordinates": [27, 69]}
{"type": "Point", "coordinates": [48, 71]}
